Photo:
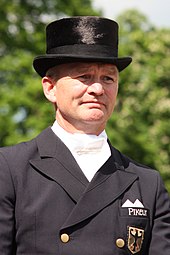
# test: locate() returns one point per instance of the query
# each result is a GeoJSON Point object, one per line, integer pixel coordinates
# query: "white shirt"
{"type": "Point", "coordinates": [90, 151]}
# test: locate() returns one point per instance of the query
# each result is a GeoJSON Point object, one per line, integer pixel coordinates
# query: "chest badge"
{"type": "Point", "coordinates": [135, 239]}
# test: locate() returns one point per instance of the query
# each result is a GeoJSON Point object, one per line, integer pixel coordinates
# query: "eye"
{"type": "Point", "coordinates": [108, 79]}
{"type": "Point", "coordinates": [84, 77]}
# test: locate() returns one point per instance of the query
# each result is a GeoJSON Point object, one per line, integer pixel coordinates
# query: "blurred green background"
{"type": "Point", "coordinates": [140, 124]}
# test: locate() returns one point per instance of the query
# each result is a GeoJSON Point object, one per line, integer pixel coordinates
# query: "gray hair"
{"type": "Point", "coordinates": [53, 73]}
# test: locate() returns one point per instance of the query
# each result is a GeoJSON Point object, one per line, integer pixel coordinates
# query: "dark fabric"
{"type": "Point", "coordinates": [44, 193]}
{"type": "Point", "coordinates": [80, 38]}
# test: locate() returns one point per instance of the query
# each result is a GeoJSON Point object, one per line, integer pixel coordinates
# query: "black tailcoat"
{"type": "Point", "coordinates": [44, 194]}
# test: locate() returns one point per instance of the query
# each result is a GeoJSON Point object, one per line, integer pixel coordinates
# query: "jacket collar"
{"type": "Point", "coordinates": [57, 163]}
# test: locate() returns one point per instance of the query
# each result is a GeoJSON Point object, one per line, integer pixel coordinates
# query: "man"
{"type": "Point", "coordinates": [68, 191]}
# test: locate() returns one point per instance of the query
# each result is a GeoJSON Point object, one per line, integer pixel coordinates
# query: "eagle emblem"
{"type": "Point", "coordinates": [135, 239]}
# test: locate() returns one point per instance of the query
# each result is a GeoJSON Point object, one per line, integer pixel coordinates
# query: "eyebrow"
{"type": "Point", "coordinates": [85, 68]}
{"type": "Point", "coordinates": [80, 66]}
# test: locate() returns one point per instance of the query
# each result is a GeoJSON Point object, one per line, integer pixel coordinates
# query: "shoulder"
{"type": "Point", "coordinates": [24, 149]}
{"type": "Point", "coordinates": [149, 180]}
{"type": "Point", "coordinates": [15, 154]}
{"type": "Point", "coordinates": [18, 151]}
{"type": "Point", "coordinates": [132, 166]}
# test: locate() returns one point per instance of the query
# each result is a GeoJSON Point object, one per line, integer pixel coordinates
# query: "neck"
{"type": "Point", "coordinates": [91, 128]}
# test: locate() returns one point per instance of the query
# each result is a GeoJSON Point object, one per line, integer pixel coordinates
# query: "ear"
{"type": "Point", "coordinates": [49, 89]}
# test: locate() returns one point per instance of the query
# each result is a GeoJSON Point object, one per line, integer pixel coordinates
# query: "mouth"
{"type": "Point", "coordinates": [94, 104]}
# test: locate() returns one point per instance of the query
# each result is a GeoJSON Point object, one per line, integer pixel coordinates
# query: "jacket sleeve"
{"type": "Point", "coordinates": [160, 241]}
{"type": "Point", "coordinates": [7, 201]}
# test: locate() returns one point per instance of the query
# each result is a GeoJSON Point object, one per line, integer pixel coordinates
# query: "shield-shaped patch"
{"type": "Point", "coordinates": [135, 239]}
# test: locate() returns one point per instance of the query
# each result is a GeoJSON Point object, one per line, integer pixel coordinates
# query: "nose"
{"type": "Point", "coordinates": [95, 88]}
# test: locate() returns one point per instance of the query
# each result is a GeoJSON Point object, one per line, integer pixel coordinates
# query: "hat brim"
{"type": "Point", "coordinates": [41, 64]}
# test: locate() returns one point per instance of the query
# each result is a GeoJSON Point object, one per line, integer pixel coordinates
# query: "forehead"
{"type": "Point", "coordinates": [79, 67]}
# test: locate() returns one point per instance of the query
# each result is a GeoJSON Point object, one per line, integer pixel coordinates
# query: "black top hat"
{"type": "Point", "coordinates": [84, 38]}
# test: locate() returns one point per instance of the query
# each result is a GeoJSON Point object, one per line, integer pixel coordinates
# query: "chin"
{"type": "Point", "coordinates": [95, 119]}
{"type": "Point", "coordinates": [96, 114]}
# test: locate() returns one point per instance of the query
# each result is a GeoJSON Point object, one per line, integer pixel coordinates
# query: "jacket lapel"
{"type": "Point", "coordinates": [57, 163]}
{"type": "Point", "coordinates": [109, 183]}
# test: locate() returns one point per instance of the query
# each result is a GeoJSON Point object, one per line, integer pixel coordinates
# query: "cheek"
{"type": "Point", "coordinates": [112, 94]}
{"type": "Point", "coordinates": [73, 89]}
{"type": "Point", "coordinates": [67, 96]}
{"type": "Point", "coordinates": [78, 90]}
{"type": "Point", "coordinates": [61, 97]}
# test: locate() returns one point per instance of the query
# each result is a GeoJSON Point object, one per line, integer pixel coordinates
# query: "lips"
{"type": "Point", "coordinates": [94, 103]}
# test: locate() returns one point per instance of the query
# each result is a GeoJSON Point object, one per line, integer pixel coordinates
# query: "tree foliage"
{"type": "Point", "coordinates": [139, 126]}
{"type": "Point", "coordinates": [23, 110]}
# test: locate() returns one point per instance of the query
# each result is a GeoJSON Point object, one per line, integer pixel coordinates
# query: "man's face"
{"type": "Point", "coordinates": [85, 95]}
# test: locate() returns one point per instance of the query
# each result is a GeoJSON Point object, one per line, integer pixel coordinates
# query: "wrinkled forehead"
{"type": "Point", "coordinates": [85, 67]}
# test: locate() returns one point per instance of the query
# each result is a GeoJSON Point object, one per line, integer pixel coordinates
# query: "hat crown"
{"type": "Point", "coordinates": [81, 38]}
{"type": "Point", "coordinates": [88, 30]}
